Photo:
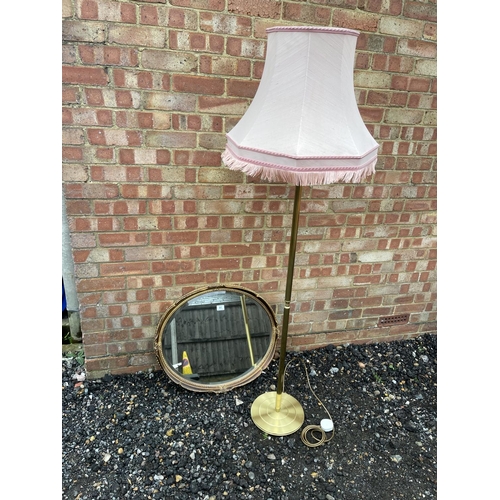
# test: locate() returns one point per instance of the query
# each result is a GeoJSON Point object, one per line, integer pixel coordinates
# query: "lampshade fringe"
{"type": "Point", "coordinates": [297, 178]}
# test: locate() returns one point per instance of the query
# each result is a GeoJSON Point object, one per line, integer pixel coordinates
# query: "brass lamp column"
{"type": "Point", "coordinates": [278, 413]}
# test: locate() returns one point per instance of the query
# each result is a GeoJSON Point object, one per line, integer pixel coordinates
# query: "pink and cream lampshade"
{"type": "Point", "coordinates": [303, 125]}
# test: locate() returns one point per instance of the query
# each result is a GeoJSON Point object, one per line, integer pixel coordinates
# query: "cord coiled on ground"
{"type": "Point", "coordinates": [318, 441]}
{"type": "Point", "coordinates": [312, 430]}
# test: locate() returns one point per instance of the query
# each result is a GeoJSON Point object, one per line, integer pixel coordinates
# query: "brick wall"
{"type": "Point", "coordinates": [149, 90]}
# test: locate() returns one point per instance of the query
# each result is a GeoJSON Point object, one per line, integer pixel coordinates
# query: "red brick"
{"type": "Point", "coordinates": [395, 64]}
{"type": "Point", "coordinates": [128, 13]}
{"type": "Point", "coordinates": [182, 237]}
{"type": "Point", "coordinates": [124, 268]}
{"type": "Point", "coordinates": [124, 99]}
{"type": "Point", "coordinates": [417, 205]}
{"type": "Point", "coordinates": [91, 190]}
{"type": "Point", "coordinates": [371, 115]}
{"type": "Point", "coordinates": [123, 239]}
{"type": "Point", "coordinates": [109, 56]}
{"type": "Point", "coordinates": [419, 10]}
{"type": "Point", "coordinates": [216, 44]}
{"type": "Point", "coordinates": [190, 279]}
{"type": "Point", "coordinates": [162, 157]}
{"type": "Point", "coordinates": [219, 264]}
{"type": "Point", "coordinates": [171, 139]}
{"type": "Point", "coordinates": [72, 153]}
{"type": "Point", "coordinates": [413, 84]}
{"type": "Point", "coordinates": [367, 279]}
{"type": "Point", "coordinates": [197, 41]}
{"type": "Point", "coordinates": [86, 54]}
{"type": "Point", "coordinates": [418, 48]}
{"type": "Point", "coordinates": [88, 9]}
{"type": "Point", "coordinates": [70, 95]}
{"type": "Point", "coordinates": [149, 14]}
{"type": "Point", "coordinates": [96, 136]}
{"type": "Point", "coordinates": [355, 20]}
{"type": "Point", "coordinates": [198, 84]}
{"type": "Point", "coordinates": [94, 97]}
{"type": "Point", "coordinates": [186, 122]}
{"type": "Point", "coordinates": [216, 5]}
{"type": "Point", "coordinates": [176, 18]}
{"type": "Point", "coordinates": [392, 7]}
{"type": "Point", "coordinates": [222, 105]}
{"type": "Point", "coordinates": [430, 31]}
{"type": "Point", "coordinates": [132, 78]}
{"type": "Point", "coordinates": [362, 61]}
{"type": "Point", "coordinates": [240, 250]}
{"type": "Point", "coordinates": [241, 88]}
{"type": "Point", "coordinates": [119, 364]}
{"type": "Point", "coordinates": [365, 302]}
{"type": "Point", "coordinates": [259, 8]}
{"type": "Point", "coordinates": [84, 75]}
{"type": "Point", "coordinates": [306, 13]}
{"type": "Point", "coordinates": [127, 156]}
{"type": "Point", "coordinates": [173, 266]}
{"type": "Point", "coordinates": [245, 47]}
{"type": "Point", "coordinates": [206, 158]}
{"type": "Point", "coordinates": [74, 207]}
{"type": "Point", "coordinates": [372, 5]}
{"type": "Point", "coordinates": [99, 284]}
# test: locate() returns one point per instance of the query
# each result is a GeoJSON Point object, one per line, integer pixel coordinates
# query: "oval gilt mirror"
{"type": "Point", "coordinates": [216, 338]}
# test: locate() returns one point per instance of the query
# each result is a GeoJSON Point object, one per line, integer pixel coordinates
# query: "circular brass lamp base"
{"type": "Point", "coordinates": [277, 423]}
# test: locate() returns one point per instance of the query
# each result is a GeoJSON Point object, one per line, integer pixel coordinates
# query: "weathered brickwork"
{"type": "Point", "coordinates": [149, 90]}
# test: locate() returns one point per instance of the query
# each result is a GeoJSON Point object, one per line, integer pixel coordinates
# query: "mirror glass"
{"type": "Point", "coordinates": [216, 338]}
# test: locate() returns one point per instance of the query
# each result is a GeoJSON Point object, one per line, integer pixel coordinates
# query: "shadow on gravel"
{"type": "Point", "coordinates": [143, 437]}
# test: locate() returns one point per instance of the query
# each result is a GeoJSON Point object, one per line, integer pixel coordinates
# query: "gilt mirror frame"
{"type": "Point", "coordinates": [189, 381]}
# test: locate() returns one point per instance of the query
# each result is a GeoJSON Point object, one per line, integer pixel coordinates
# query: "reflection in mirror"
{"type": "Point", "coordinates": [216, 338]}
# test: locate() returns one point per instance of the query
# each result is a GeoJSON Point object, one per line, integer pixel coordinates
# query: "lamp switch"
{"type": "Point", "coordinates": [327, 425]}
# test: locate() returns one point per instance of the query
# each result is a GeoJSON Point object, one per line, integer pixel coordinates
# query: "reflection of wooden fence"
{"type": "Point", "coordinates": [215, 340]}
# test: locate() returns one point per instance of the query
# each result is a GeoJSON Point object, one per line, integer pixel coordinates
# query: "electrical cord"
{"type": "Point", "coordinates": [312, 430]}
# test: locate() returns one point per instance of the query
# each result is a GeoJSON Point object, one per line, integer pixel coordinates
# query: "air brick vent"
{"type": "Point", "coordinates": [397, 319]}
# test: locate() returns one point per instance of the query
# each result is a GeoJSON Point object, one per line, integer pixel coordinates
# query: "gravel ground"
{"type": "Point", "coordinates": [142, 436]}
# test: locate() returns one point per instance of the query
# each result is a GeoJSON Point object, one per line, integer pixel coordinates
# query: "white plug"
{"type": "Point", "coordinates": [327, 425]}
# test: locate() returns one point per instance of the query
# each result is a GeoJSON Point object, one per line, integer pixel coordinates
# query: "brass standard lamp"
{"type": "Point", "coordinates": [302, 127]}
